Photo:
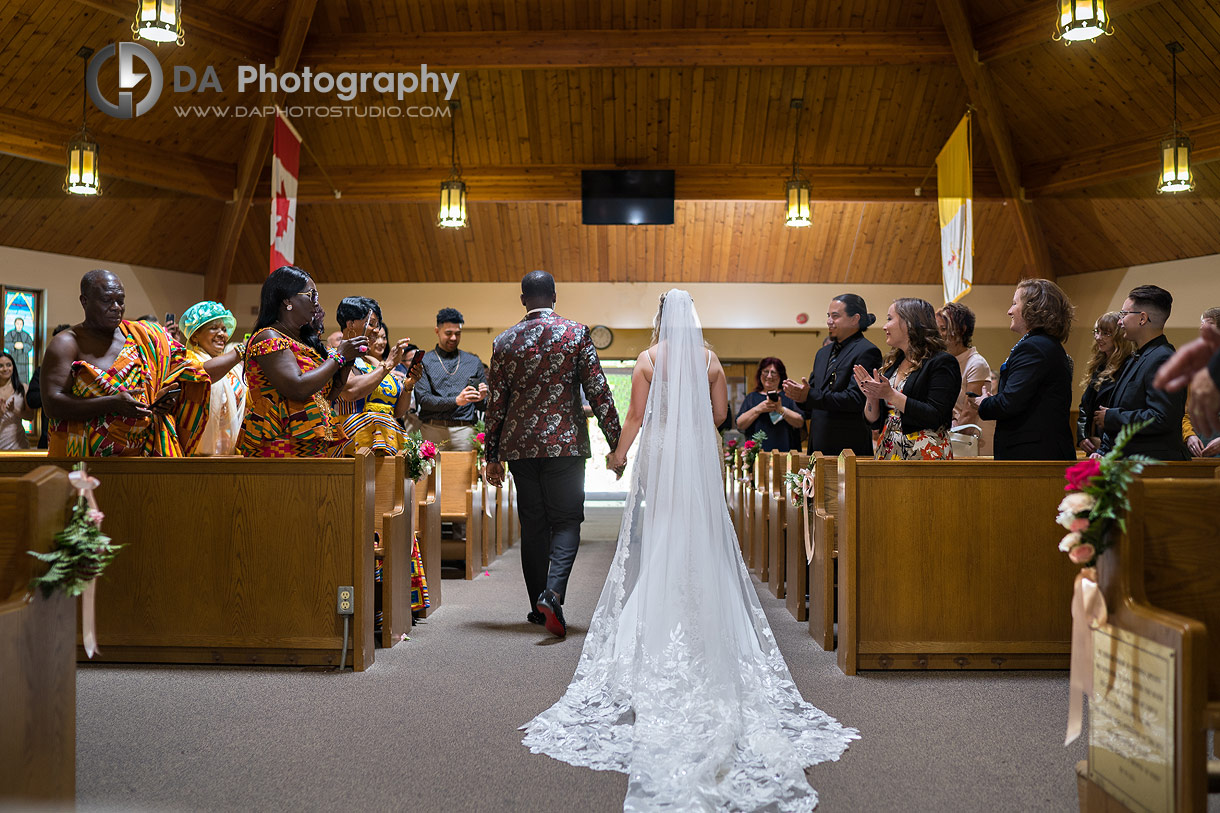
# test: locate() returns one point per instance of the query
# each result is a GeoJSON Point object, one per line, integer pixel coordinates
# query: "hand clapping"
{"type": "Point", "coordinates": [873, 386]}
{"type": "Point", "coordinates": [797, 392]}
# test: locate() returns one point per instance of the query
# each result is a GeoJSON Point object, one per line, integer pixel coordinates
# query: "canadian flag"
{"type": "Point", "coordinates": [285, 166]}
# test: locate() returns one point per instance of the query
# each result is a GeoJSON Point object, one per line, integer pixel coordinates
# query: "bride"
{"type": "Point", "coordinates": [680, 683]}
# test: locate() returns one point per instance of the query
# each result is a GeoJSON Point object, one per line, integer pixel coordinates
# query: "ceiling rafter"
{"type": "Point", "coordinates": [990, 114]}
{"type": "Point", "coordinates": [214, 27]}
{"type": "Point", "coordinates": [297, 17]}
{"type": "Point", "coordinates": [696, 47]}
{"type": "Point", "coordinates": [1033, 26]}
{"type": "Point", "coordinates": [46, 141]}
{"type": "Point", "coordinates": [561, 182]}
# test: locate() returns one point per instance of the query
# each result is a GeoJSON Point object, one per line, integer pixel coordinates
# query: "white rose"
{"type": "Point", "coordinates": [1070, 541]}
{"type": "Point", "coordinates": [1078, 502]}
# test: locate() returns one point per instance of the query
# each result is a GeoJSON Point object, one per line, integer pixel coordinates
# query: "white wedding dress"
{"type": "Point", "coordinates": [680, 683]}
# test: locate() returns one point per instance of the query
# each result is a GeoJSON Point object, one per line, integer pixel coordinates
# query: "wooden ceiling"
{"type": "Point", "coordinates": [1065, 151]}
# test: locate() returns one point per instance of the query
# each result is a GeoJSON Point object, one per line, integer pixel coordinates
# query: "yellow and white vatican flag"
{"type": "Point", "coordinates": [954, 191]}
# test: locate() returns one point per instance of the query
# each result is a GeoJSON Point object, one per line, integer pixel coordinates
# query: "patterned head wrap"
{"type": "Point", "coordinates": [201, 313]}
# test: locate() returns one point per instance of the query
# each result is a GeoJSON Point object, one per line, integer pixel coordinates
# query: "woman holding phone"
{"type": "Point", "coordinates": [376, 398]}
{"type": "Point", "coordinates": [768, 410]}
{"type": "Point", "coordinates": [290, 374]}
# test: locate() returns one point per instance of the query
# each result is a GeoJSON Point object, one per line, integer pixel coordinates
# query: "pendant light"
{"type": "Point", "coordinates": [452, 213]}
{"type": "Point", "coordinates": [158, 21]}
{"type": "Point", "coordinates": [1175, 147]}
{"type": "Point", "coordinates": [1082, 20]}
{"type": "Point", "coordinates": [797, 190]}
{"type": "Point", "coordinates": [82, 177]}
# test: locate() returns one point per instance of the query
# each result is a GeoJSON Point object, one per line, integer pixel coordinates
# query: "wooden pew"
{"type": "Point", "coordinates": [777, 525]}
{"type": "Point", "coordinates": [37, 649]}
{"type": "Point", "coordinates": [489, 520]}
{"type": "Point", "coordinates": [825, 506]}
{"type": "Point", "coordinates": [428, 531]}
{"type": "Point", "coordinates": [1160, 582]}
{"type": "Point", "coordinates": [796, 568]}
{"type": "Point", "coordinates": [760, 515]}
{"type": "Point", "coordinates": [458, 504]}
{"type": "Point", "coordinates": [955, 564]}
{"type": "Point", "coordinates": [232, 560]}
{"type": "Point", "coordinates": [743, 491]}
{"type": "Point", "coordinates": [394, 523]}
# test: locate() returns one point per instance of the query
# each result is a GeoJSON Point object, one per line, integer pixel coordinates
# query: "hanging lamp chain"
{"type": "Point", "coordinates": [799, 104]}
{"type": "Point", "coordinates": [456, 169]}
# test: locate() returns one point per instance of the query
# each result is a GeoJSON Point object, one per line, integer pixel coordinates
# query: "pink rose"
{"type": "Point", "coordinates": [1070, 541]}
{"type": "Point", "coordinates": [749, 445]}
{"type": "Point", "coordinates": [1081, 553]}
{"type": "Point", "coordinates": [732, 443]}
{"type": "Point", "coordinates": [428, 449]}
{"type": "Point", "coordinates": [481, 437]}
{"type": "Point", "coordinates": [94, 517]}
{"type": "Point", "coordinates": [1079, 524]}
{"type": "Point", "coordinates": [1079, 475]}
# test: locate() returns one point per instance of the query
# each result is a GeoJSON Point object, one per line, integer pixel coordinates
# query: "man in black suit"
{"type": "Point", "coordinates": [1135, 399]}
{"type": "Point", "coordinates": [830, 397]}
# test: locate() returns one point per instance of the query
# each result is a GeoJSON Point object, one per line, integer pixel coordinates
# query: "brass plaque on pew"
{"type": "Point", "coordinates": [1131, 719]}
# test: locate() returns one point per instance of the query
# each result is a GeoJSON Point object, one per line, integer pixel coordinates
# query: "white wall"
{"type": "Point", "coordinates": [149, 290]}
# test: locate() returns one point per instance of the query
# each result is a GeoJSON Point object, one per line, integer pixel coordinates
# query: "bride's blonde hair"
{"type": "Point", "coordinates": [656, 324]}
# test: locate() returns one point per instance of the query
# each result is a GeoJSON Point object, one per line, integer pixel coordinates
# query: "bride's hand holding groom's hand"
{"type": "Point", "coordinates": [616, 464]}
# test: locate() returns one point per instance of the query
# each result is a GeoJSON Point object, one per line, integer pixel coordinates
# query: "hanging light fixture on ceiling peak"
{"type": "Point", "coordinates": [83, 153]}
{"type": "Point", "coordinates": [452, 214]}
{"type": "Point", "coordinates": [1082, 20]}
{"type": "Point", "coordinates": [797, 190]}
{"type": "Point", "coordinates": [158, 21]}
{"type": "Point", "coordinates": [1176, 175]}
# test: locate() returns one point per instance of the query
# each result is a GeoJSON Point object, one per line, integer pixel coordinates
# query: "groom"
{"type": "Point", "coordinates": [535, 421]}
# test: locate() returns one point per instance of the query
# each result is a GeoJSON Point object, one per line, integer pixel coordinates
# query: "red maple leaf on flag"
{"type": "Point", "coordinates": [281, 211]}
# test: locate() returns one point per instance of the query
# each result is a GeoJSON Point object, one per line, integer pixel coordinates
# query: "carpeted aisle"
{"type": "Point", "coordinates": [432, 726]}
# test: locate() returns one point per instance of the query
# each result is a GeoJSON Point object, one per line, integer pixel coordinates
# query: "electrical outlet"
{"type": "Point", "coordinates": [347, 601]}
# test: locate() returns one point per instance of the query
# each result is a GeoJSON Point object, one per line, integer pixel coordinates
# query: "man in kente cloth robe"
{"type": "Point", "coordinates": [114, 387]}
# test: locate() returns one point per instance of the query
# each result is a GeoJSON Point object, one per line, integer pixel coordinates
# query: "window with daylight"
{"type": "Point", "coordinates": [23, 330]}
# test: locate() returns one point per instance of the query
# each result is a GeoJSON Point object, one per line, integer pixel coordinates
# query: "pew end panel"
{"type": "Point", "coordinates": [395, 517]}
{"type": "Point", "coordinates": [821, 571]}
{"type": "Point", "coordinates": [457, 498]}
{"type": "Point", "coordinates": [796, 566]}
{"type": "Point", "coordinates": [37, 648]}
{"type": "Point", "coordinates": [941, 567]}
{"type": "Point", "coordinates": [761, 498]}
{"type": "Point", "coordinates": [232, 560]}
{"type": "Point", "coordinates": [777, 495]}
{"type": "Point", "coordinates": [428, 523]}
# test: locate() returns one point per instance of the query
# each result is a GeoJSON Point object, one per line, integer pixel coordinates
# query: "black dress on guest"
{"type": "Point", "coordinates": [1033, 407]}
{"type": "Point", "coordinates": [1095, 395]}
{"type": "Point", "coordinates": [781, 436]}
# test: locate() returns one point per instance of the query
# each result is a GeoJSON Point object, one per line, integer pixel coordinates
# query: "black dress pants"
{"type": "Point", "coordinates": [551, 505]}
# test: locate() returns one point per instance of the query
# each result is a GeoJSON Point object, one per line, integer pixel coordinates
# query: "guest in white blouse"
{"type": "Point", "coordinates": [956, 324]}
{"type": "Point", "coordinates": [207, 327]}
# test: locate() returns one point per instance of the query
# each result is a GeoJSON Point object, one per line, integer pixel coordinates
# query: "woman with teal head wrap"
{"type": "Point", "coordinates": [207, 327]}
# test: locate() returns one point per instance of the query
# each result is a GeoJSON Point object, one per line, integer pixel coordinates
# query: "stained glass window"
{"type": "Point", "coordinates": [23, 331]}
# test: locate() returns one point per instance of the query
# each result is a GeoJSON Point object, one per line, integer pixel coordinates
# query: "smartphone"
{"type": "Point", "coordinates": [474, 381]}
{"type": "Point", "coordinates": [972, 395]}
{"type": "Point", "coordinates": [167, 396]}
{"type": "Point", "coordinates": [773, 396]}
{"type": "Point", "coordinates": [169, 317]}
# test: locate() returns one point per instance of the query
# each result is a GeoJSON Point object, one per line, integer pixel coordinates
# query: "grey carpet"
{"type": "Point", "coordinates": [432, 726]}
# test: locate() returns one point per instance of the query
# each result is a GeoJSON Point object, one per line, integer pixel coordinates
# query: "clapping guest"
{"type": "Point", "coordinates": [1034, 399]}
{"type": "Point", "coordinates": [912, 402]}
{"type": "Point", "coordinates": [291, 382]}
{"type": "Point", "coordinates": [1111, 350]}
{"type": "Point", "coordinates": [955, 322]}
{"type": "Point", "coordinates": [768, 410]}
{"type": "Point", "coordinates": [207, 326]}
{"type": "Point", "coordinates": [13, 408]}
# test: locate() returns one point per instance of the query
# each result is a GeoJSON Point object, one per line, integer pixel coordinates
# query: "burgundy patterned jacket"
{"type": "Point", "coordinates": [535, 408]}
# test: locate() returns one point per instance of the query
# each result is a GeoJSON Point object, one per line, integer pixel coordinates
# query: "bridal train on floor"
{"type": "Point", "coordinates": [680, 684]}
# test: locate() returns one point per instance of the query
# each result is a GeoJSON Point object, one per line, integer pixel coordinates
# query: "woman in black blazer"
{"type": "Point", "coordinates": [1111, 349]}
{"type": "Point", "coordinates": [912, 403]}
{"type": "Point", "coordinates": [1033, 406]}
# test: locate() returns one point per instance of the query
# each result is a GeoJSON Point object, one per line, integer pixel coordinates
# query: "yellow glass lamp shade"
{"type": "Point", "coordinates": [1082, 20]}
{"type": "Point", "coordinates": [453, 205]}
{"type": "Point", "coordinates": [82, 177]}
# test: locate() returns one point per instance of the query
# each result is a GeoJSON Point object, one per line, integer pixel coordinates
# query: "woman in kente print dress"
{"type": "Point", "coordinates": [912, 400]}
{"type": "Point", "coordinates": [290, 375]}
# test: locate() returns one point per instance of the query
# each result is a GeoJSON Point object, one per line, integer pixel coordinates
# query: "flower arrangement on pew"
{"type": "Point", "coordinates": [480, 437]}
{"type": "Point", "coordinates": [81, 551]}
{"type": "Point", "coordinates": [730, 451]}
{"type": "Point", "coordinates": [800, 485]}
{"type": "Point", "coordinates": [751, 448]}
{"type": "Point", "coordinates": [1097, 499]}
{"type": "Point", "coordinates": [421, 456]}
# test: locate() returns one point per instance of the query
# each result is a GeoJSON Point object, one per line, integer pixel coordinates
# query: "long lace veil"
{"type": "Point", "coordinates": [680, 683]}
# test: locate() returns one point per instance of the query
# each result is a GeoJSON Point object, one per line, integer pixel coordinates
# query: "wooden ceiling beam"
{"type": "Point", "coordinates": [1117, 162]}
{"type": "Point", "coordinates": [46, 141]}
{"type": "Point", "coordinates": [297, 17]}
{"type": "Point", "coordinates": [1033, 26]}
{"type": "Point", "coordinates": [555, 183]}
{"type": "Point", "coordinates": [217, 28]}
{"type": "Point", "coordinates": [990, 115]}
{"type": "Point", "coordinates": [700, 47]}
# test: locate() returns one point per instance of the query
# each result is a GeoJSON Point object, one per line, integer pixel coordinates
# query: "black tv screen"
{"type": "Point", "coordinates": [627, 197]}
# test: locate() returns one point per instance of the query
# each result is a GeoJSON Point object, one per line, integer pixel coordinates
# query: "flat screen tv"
{"type": "Point", "coordinates": [627, 197]}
